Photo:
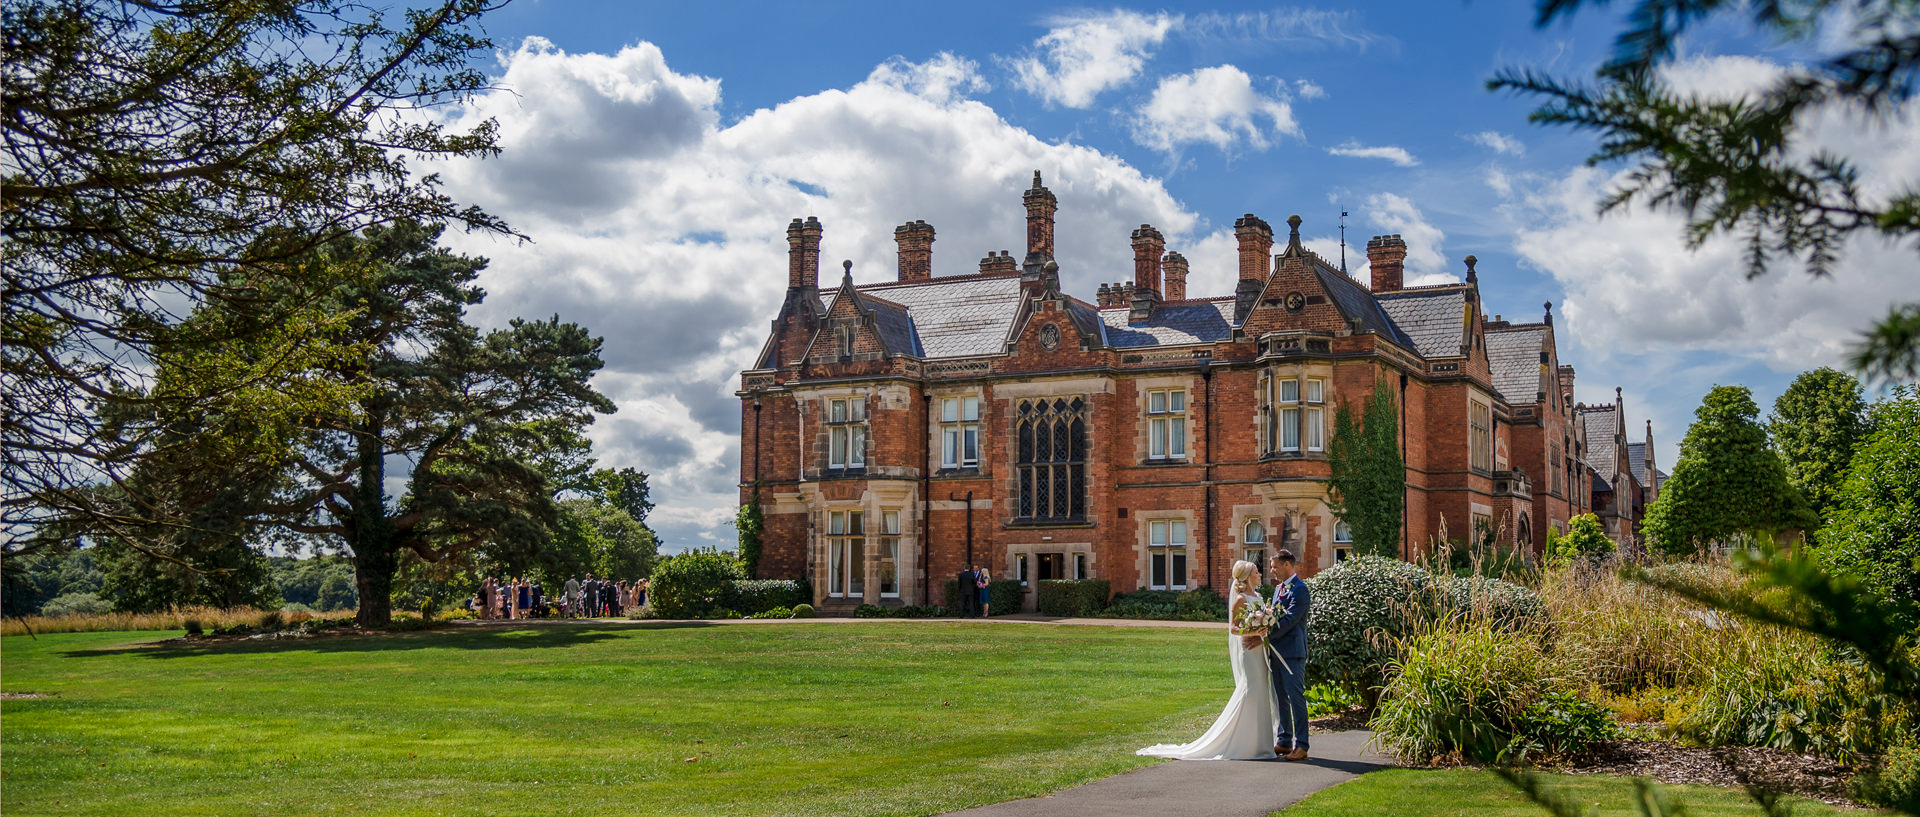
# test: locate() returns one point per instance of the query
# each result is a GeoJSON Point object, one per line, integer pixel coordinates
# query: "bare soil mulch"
{"type": "Point", "coordinates": [1806, 775]}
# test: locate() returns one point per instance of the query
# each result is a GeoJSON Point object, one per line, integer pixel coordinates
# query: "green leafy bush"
{"type": "Point", "coordinates": [1585, 543]}
{"type": "Point", "coordinates": [1059, 597]}
{"type": "Point", "coordinates": [1094, 594]}
{"type": "Point", "coordinates": [870, 611]}
{"type": "Point", "coordinates": [1201, 604]}
{"type": "Point", "coordinates": [1473, 692]}
{"type": "Point", "coordinates": [1144, 604]}
{"type": "Point", "coordinates": [951, 588]}
{"type": "Point", "coordinates": [777, 612]}
{"type": "Point", "coordinates": [1006, 596]}
{"type": "Point", "coordinates": [1895, 783]}
{"type": "Point", "coordinates": [1500, 602]}
{"type": "Point", "coordinates": [757, 595]}
{"type": "Point", "coordinates": [693, 585]}
{"type": "Point", "coordinates": [1329, 699]}
{"type": "Point", "coordinates": [1353, 602]}
{"type": "Point", "coordinates": [192, 625]}
{"type": "Point", "coordinates": [920, 611]}
{"type": "Point", "coordinates": [803, 611]}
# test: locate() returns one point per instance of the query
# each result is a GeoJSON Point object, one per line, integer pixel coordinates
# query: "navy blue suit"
{"type": "Point", "coordinates": [1287, 662]}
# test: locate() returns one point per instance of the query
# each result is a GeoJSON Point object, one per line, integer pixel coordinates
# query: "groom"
{"type": "Point", "coordinates": [1287, 658]}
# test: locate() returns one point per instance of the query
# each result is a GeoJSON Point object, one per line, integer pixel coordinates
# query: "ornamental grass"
{"type": "Point", "coordinates": [209, 618]}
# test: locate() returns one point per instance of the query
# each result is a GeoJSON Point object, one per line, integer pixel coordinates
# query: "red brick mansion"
{"type": "Point", "coordinates": [897, 432]}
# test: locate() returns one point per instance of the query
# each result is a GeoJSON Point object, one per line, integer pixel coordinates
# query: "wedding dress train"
{"type": "Point", "coordinates": [1244, 730]}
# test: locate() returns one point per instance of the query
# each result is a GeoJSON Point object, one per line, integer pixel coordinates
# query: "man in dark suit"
{"type": "Point", "coordinates": [967, 605]}
{"type": "Point", "coordinates": [1287, 657]}
{"type": "Point", "coordinates": [590, 597]}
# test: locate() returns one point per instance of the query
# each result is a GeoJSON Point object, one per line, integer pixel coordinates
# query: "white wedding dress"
{"type": "Point", "coordinates": [1244, 730]}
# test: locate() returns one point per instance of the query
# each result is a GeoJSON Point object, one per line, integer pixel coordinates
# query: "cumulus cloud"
{"type": "Point", "coordinates": [1497, 142]}
{"type": "Point", "coordinates": [672, 242]}
{"type": "Point", "coordinates": [1308, 90]}
{"type": "Point", "coordinates": [1633, 287]}
{"type": "Point", "coordinates": [1085, 54]}
{"type": "Point", "coordinates": [1391, 153]}
{"type": "Point", "coordinates": [1216, 106]}
{"type": "Point", "coordinates": [1426, 262]}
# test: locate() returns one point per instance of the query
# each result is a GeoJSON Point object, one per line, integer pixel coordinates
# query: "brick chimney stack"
{"type": "Point", "coordinates": [1256, 262]}
{"type": "Point", "coordinates": [803, 254]}
{"type": "Point", "coordinates": [916, 250]}
{"type": "Point", "coordinates": [998, 264]}
{"type": "Point", "coordinates": [1387, 255]}
{"type": "Point", "coordinates": [1148, 244]}
{"type": "Point", "coordinates": [1040, 209]}
{"type": "Point", "coordinates": [1175, 268]}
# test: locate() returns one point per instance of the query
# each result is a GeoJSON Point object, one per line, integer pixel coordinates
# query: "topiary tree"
{"type": "Point", "coordinates": [1814, 427]}
{"type": "Point", "coordinates": [1874, 530]}
{"type": "Point", "coordinates": [1586, 542]}
{"type": "Point", "coordinates": [691, 585]}
{"type": "Point", "coordinates": [1728, 483]}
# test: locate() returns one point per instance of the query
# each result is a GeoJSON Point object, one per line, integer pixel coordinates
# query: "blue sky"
{"type": "Point", "coordinates": [655, 151]}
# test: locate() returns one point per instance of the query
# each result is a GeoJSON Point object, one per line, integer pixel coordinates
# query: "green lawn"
{"type": "Point", "coordinates": [1473, 793]}
{"type": "Point", "coordinates": [593, 719]}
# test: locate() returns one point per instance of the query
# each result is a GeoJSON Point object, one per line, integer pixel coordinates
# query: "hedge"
{"type": "Point", "coordinates": [750, 596]}
{"type": "Point", "coordinates": [1005, 595]}
{"type": "Point", "coordinates": [692, 585]}
{"type": "Point", "coordinates": [1093, 595]}
{"type": "Point", "coordinates": [1059, 597]}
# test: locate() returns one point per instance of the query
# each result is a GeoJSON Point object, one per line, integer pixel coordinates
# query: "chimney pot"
{"type": "Point", "coordinates": [1386, 258]}
{"type": "Point", "coordinates": [1041, 206]}
{"type": "Point", "coordinates": [916, 250]}
{"type": "Point", "coordinates": [1148, 244]}
{"type": "Point", "coordinates": [803, 254]}
{"type": "Point", "coordinates": [1174, 266]}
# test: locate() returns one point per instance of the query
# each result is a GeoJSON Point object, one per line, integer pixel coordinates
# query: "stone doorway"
{"type": "Point", "coordinates": [1052, 566]}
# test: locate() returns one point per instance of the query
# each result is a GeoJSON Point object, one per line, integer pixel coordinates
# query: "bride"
{"type": "Point", "coordinates": [1244, 730]}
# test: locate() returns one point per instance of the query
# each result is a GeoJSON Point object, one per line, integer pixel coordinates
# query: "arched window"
{"type": "Point", "coordinates": [1524, 530]}
{"type": "Point", "coordinates": [1052, 461]}
{"type": "Point", "coordinates": [1254, 537]}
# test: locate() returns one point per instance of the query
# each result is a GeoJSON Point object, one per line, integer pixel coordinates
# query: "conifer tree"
{"type": "Point", "coordinates": [1815, 425]}
{"type": "Point", "coordinates": [1728, 482]}
{"type": "Point", "coordinates": [1369, 478]}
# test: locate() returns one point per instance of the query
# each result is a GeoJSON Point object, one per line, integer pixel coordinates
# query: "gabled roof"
{"type": "Point", "coordinates": [1174, 324]}
{"type": "Point", "coordinates": [895, 324]}
{"type": "Point", "coordinates": [1637, 461]}
{"type": "Point", "coordinates": [1600, 423]}
{"type": "Point", "coordinates": [1434, 317]}
{"type": "Point", "coordinates": [954, 317]}
{"type": "Point", "coordinates": [1514, 357]}
{"type": "Point", "coordinates": [1357, 303]}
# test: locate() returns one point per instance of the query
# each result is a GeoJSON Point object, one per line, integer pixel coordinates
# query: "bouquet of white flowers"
{"type": "Point", "coordinates": [1256, 619]}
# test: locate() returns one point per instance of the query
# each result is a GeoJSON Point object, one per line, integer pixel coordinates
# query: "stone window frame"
{"type": "Point", "coordinates": [1168, 425]}
{"type": "Point", "coordinates": [843, 561]}
{"type": "Point", "coordinates": [1027, 458]}
{"type": "Point", "coordinates": [1480, 444]}
{"type": "Point", "coordinates": [1145, 547]}
{"type": "Point", "coordinates": [888, 554]}
{"type": "Point", "coordinates": [958, 427]}
{"type": "Point", "coordinates": [1269, 410]}
{"type": "Point", "coordinates": [855, 429]}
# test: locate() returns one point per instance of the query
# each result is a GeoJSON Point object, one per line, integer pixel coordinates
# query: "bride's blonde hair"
{"type": "Point", "coordinates": [1243, 577]}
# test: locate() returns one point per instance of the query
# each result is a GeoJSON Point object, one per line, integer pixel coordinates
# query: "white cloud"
{"type": "Point", "coordinates": [941, 79]}
{"type": "Point", "coordinates": [1287, 25]}
{"type": "Point", "coordinates": [672, 245]}
{"type": "Point", "coordinates": [1391, 153]}
{"type": "Point", "coordinates": [1632, 287]}
{"type": "Point", "coordinates": [1497, 142]}
{"type": "Point", "coordinates": [1308, 90]}
{"type": "Point", "coordinates": [1217, 106]}
{"type": "Point", "coordinates": [1426, 260]}
{"type": "Point", "coordinates": [1088, 53]}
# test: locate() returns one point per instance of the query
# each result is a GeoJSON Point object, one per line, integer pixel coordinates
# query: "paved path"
{"type": "Point", "coordinates": [1205, 788]}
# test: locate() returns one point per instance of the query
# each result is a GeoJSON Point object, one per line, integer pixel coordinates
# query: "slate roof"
{"type": "Point", "coordinates": [1514, 356]}
{"type": "Point", "coordinates": [1433, 317]}
{"type": "Point", "coordinates": [1637, 461]}
{"type": "Point", "coordinates": [896, 325]}
{"type": "Point", "coordinates": [954, 317]}
{"type": "Point", "coordinates": [1356, 302]}
{"type": "Point", "coordinates": [1600, 452]}
{"type": "Point", "coordinates": [1173, 324]}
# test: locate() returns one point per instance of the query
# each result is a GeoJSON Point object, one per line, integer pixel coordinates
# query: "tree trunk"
{"type": "Point", "coordinates": [372, 534]}
{"type": "Point", "coordinates": [373, 569]}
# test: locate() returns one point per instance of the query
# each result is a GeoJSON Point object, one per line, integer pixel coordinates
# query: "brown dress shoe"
{"type": "Point", "coordinates": [1297, 754]}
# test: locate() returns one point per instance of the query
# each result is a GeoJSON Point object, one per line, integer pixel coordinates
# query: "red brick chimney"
{"type": "Point", "coordinates": [916, 250]}
{"type": "Point", "coordinates": [1040, 208]}
{"type": "Point", "coordinates": [1148, 244]}
{"type": "Point", "coordinates": [1256, 247]}
{"type": "Point", "coordinates": [1175, 267]}
{"type": "Point", "coordinates": [1387, 255]}
{"type": "Point", "coordinates": [803, 254]}
{"type": "Point", "coordinates": [998, 264]}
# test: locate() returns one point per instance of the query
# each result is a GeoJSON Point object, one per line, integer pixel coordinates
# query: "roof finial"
{"type": "Point", "coordinates": [1036, 180]}
{"type": "Point", "coordinates": [1616, 393]}
{"type": "Point", "coordinates": [1549, 306]}
{"type": "Point", "coordinates": [847, 267]}
{"type": "Point", "coordinates": [1472, 277]}
{"type": "Point", "coordinates": [1293, 225]}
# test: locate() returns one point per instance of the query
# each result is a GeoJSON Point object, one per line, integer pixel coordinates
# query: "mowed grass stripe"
{"type": "Point", "coordinates": [796, 718]}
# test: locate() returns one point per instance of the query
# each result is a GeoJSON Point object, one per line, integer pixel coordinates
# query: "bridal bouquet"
{"type": "Point", "coordinates": [1254, 618]}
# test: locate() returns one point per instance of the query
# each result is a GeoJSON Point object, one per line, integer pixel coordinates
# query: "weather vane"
{"type": "Point", "coordinates": [1343, 242]}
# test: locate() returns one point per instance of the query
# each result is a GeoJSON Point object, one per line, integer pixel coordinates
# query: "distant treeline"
{"type": "Point", "coordinates": [81, 581]}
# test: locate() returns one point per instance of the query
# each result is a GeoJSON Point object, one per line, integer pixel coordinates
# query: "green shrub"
{"type": "Point", "coordinates": [777, 612]}
{"type": "Point", "coordinates": [1493, 600]}
{"type": "Point", "coordinates": [1201, 604]}
{"type": "Point", "coordinates": [1059, 597]}
{"type": "Point", "coordinates": [1093, 595]}
{"type": "Point", "coordinates": [192, 626]}
{"type": "Point", "coordinates": [920, 611]}
{"type": "Point", "coordinates": [1006, 596]}
{"type": "Point", "coordinates": [1895, 783]}
{"type": "Point", "coordinates": [271, 621]}
{"type": "Point", "coordinates": [1481, 694]}
{"type": "Point", "coordinates": [758, 595]}
{"type": "Point", "coordinates": [951, 588]}
{"type": "Point", "coordinates": [1585, 543]}
{"type": "Point", "coordinates": [1329, 699]}
{"type": "Point", "coordinates": [870, 611]}
{"type": "Point", "coordinates": [1144, 604]}
{"type": "Point", "coordinates": [803, 611]}
{"type": "Point", "coordinates": [1357, 604]}
{"type": "Point", "coordinates": [693, 585]}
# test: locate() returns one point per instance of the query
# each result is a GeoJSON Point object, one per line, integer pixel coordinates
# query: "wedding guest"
{"type": "Point", "coordinates": [590, 597]}
{"type": "Point", "coordinates": [524, 593]}
{"type": "Point", "coordinates": [640, 595]}
{"type": "Point", "coordinates": [981, 586]}
{"type": "Point", "coordinates": [571, 601]}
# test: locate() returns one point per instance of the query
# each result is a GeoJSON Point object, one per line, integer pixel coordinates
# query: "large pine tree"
{"type": "Point", "coordinates": [1728, 483]}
